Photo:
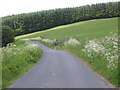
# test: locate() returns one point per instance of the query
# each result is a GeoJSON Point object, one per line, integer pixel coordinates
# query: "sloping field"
{"type": "Point", "coordinates": [82, 30]}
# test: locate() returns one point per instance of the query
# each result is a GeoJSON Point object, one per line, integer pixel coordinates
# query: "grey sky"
{"type": "Point", "coordinates": [9, 7]}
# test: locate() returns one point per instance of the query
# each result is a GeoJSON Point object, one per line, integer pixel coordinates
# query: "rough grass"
{"type": "Point", "coordinates": [18, 58]}
{"type": "Point", "coordinates": [0, 68]}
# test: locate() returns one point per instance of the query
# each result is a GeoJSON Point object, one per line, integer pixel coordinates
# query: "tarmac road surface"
{"type": "Point", "coordinates": [60, 69]}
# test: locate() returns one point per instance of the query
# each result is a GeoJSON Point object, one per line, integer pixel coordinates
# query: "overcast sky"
{"type": "Point", "coordinates": [9, 7]}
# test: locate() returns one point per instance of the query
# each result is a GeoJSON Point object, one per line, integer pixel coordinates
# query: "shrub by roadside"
{"type": "Point", "coordinates": [17, 58]}
{"type": "Point", "coordinates": [7, 35]}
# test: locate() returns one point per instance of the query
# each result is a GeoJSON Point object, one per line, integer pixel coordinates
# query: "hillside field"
{"type": "Point", "coordinates": [82, 30]}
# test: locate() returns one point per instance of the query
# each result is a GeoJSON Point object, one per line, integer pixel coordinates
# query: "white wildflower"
{"type": "Point", "coordinates": [94, 45]}
{"type": "Point", "coordinates": [26, 39]}
{"type": "Point", "coordinates": [72, 42]}
{"type": "Point", "coordinates": [39, 38]}
{"type": "Point", "coordinates": [48, 40]}
{"type": "Point", "coordinates": [106, 47]}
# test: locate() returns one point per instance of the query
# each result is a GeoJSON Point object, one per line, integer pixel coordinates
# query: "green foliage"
{"type": "Point", "coordinates": [18, 58]}
{"type": "Point", "coordinates": [0, 37]}
{"type": "Point", "coordinates": [0, 68]}
{"type": "Point", "coordinates": [42, 20]}
{"type": "Point", "coordinates": [7, 35]}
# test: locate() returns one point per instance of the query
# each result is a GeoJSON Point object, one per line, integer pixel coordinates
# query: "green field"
{"type": "Point", "coordinates": [82, 30]}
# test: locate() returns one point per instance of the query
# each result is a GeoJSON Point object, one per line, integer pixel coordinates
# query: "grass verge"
{"type": "Point", "coordinates": [18, 58]}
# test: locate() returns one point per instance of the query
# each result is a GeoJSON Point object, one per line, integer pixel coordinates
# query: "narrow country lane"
{"type": "Point", "coordinates": [60, 69]}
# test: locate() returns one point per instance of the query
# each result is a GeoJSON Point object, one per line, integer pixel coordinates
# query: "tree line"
{"type": "Point", "coordinates": [42, 20]}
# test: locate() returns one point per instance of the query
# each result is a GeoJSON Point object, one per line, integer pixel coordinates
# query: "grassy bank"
{"type": "Point", "coordinates": [18, 58]}
{"type": "Point", "coordinates": [100, 54]}
{"type": "Point", "coordinates": [0, 68]}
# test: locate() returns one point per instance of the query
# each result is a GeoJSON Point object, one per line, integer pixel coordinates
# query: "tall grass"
{"type": "Point", "coordinates": [0, 69]}
{"type": "Point", "coordinates": [17, 58]}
